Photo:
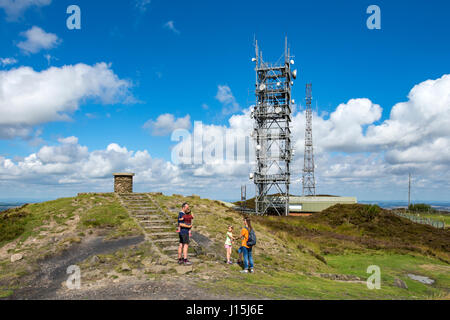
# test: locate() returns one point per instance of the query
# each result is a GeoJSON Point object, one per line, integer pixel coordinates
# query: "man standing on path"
{"type": "Point", "coordinates": [184, 236]}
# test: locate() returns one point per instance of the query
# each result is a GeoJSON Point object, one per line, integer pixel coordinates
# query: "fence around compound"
{"type": "Point", "coordinates": [418, 219]}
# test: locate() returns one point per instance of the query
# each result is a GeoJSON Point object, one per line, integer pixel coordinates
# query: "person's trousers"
{"type": "Point", "coordinates": [248, 257]}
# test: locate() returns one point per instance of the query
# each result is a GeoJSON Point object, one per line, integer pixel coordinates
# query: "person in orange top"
{"type": "Point", "coordinates": [244, 236]}
{"type": "Point", "coordinates": [245, 249]}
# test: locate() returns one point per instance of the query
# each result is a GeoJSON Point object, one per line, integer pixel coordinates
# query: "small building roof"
{"type": "Point", "coordinates": [295, 200]}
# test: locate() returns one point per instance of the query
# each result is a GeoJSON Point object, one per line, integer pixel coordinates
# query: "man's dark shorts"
{"type": "Point", "coordinates": [184, 238]}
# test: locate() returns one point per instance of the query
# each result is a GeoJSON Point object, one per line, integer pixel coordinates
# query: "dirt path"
{"type": "Point", "coordinates": [52, 272]}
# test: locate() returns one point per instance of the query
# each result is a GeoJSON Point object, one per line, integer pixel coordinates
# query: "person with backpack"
{"type": "Point", "coordinates": [248, 242]}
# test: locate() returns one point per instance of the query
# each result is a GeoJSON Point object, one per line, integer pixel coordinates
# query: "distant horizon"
{"type": "Point", "coordinates": [36, 200]}
{"type": "Point", "coordinates": [205, 196]}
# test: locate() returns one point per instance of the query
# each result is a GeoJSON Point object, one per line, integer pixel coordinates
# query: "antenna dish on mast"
{"type": "Point", "coordinates": [294, 74]}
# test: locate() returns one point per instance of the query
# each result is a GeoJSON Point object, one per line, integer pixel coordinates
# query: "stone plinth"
{"type": "Point", "coordinates": [123, 182]}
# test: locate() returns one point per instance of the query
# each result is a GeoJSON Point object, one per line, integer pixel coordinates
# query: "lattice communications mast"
{"type": "Point", "coordinates": [309, 182]}
{"type": "Point", "coordinates": [272, 133]}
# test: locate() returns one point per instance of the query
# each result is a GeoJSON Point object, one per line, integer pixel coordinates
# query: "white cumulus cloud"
{"type": "Point", "coordinates": [68, 162]}
{"type": "Point", "coordinates": [7, 61]}
{"type": "Point", "coordinates": [15, 8]}
{"type": "Point", "coordinates": [167, 123]}
{"type": "Point", "coordinates": [29, 97]}
{"type": "Point", "coordinates": [37, 39]}
{"type": "Point", "coordinates": [226, 97]}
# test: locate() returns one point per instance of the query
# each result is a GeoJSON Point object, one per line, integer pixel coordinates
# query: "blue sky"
{"type": "Point", "coordinates": [175, 55]}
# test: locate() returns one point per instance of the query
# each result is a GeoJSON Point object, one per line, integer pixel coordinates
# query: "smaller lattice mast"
{"type": "Point", "coordinates": [309, 182]}
{"type": "Point", "coordinates": [409, 191]}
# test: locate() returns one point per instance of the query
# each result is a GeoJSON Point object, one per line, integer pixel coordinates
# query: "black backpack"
{"type": "Point", "coordinates": [251, 238]}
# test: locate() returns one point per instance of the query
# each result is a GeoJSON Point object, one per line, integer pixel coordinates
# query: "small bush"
{"type": "Point", "coordinates": [420, 207]}
{"type": "Point", "coordinates": [13, 224]}
{"type": "Point", "coordinates": [373, 210]}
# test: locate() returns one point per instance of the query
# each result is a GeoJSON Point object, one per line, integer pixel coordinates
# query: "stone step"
{"type": "Point", "coordinates": [166, 234]}
{"type": "Point", "coordinates": [155, 218]}
{"type": "Point", "coordinates": [171, 248]}
{"type": "Point", "coordinates": [147, 219]}
{"type": "Point", "coordinates": [136, 198]}
{"type": "Point", "coordinates": [144, 213]}
{"type": "Point", "coordinates": [139, 204]}
{"type": "Point", "coordinates": [150, 216]}
{"type": "Point", "coordinates": [158, 222]}
{"type": "Point", "coordinates": [150, 223]}
{"type": "Point", "coordinates": [158, 227]}
{"type": "Point", "coordinates": [137, 210]}
{"type": "Point", "coordinates": [141, 207]}
{"type": "Point", "coordinates": [166, 240]}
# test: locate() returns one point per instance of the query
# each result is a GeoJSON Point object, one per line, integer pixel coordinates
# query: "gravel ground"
{"type": "Point", "coordinates": [143, 290]}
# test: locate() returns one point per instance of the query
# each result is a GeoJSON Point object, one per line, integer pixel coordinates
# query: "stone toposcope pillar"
{"type": "Point", "coordinates": [123, 182]}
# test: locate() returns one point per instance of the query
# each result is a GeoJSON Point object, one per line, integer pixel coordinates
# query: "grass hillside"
{"type": "Point", "coordinates": [40, 231]}
{"type": "Point", "coordinates": [324, 256]}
